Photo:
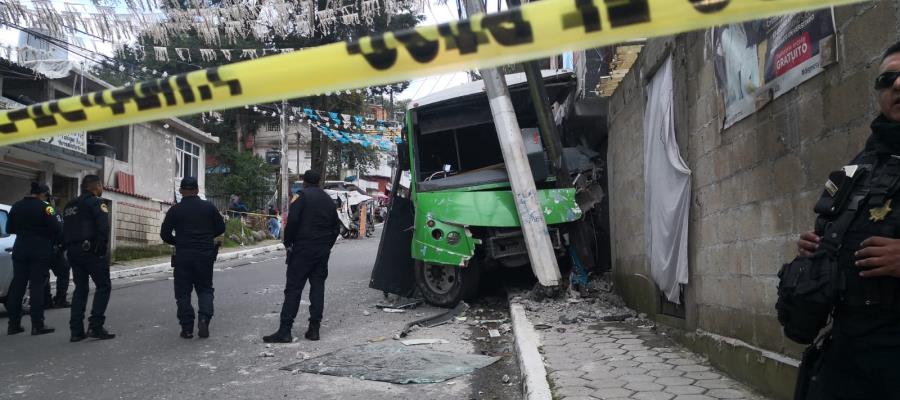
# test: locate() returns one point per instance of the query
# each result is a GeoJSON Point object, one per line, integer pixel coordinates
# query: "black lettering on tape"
{"type": "Point", "coordinates": [234, 85]}
{"type": "Point", "coordinates": [466, 41]}
{"type": "Point", "coordinates": [587, 16]}
{"type": "Point", "coordinates": [8, 128]}
{"type": "Point", "coordinates": [709, 6]}
{"type": "Point", "coordinates": [421, 49]}
{"type": "Point", "coordinates": [187, 93]}
{"type": "Point", "coordinates": [71, 116]}
{"type": "Point", "coordinates": [627, 12]}
{"type": "Point", "coordinates": [381, 57]}
{"type": "Point", "coordinates": [42, 117]}
{"type": "Point", "coordinates": [18, 115]}
{"type": "Point", "coordinates": [205, 92]}
{"type": "Point", "coordinates": [509, 28]}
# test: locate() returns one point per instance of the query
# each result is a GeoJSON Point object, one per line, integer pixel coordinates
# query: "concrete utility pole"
{"type": "Point", "coordinates": [534, 227]}
{"type": "Point", "coordinates": [285, 176]}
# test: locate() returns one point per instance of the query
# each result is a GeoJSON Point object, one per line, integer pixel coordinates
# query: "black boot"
{"type": "Point", "coordinates": [312, 333]}
{"type": "Point", "coordinates": [77, 336]}
{"type": "Point", "coordinates": [100, 333]}
{"type": "Point", "coordinates": [14, 328]}
{"type": "Point", "coordinates": [187, 333]}
{"type": "Point", "coordinates": [283, 335]}
{"type": "Point", "coordinates": [41, 330]}
{"type": "Point", "coordinates": [203, 328]}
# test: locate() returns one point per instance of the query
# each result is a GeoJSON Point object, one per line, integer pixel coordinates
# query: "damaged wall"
{"type": "Point", "coordinates": [753, 189]}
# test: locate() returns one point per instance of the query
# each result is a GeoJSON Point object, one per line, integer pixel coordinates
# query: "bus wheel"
{"type": "Point", "coordinates": [447, 285]}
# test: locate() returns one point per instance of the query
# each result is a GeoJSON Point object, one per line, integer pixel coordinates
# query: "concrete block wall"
{"type": "Point", "coordinates": [753, 188]}
{"type": "Point", "coordinates": [135, 221]}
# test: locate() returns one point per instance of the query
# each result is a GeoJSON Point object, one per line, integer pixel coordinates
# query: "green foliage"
{"type": "Point", "coordinates": [234, 227]}
{"type": "Point", "coordinates": [248, 176]}
{"type": "Point", "coordinates": [136, 253]}
{"type": "Point", "coordinates": [353, 157]}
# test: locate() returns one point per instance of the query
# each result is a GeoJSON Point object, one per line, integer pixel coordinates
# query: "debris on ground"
{"type": "Point", "coordinates": [394, 363]}
{"type": "Point", "coordinates": [400, 304]}
{"type": "Point", "coordinates": [493, 333]}
{"type": "Point", "coordinates": [416, 342]}
{"type": "Point", "coordinates": [366, 313]}
{"type": "Point", "coordinates": [505, 379]}
{"type": "Point", "coordinates": [434, 320]}
{"type": "Point", "coordinates": [393, 310]}
{"type": "Point", "coordinates": [267, 354]}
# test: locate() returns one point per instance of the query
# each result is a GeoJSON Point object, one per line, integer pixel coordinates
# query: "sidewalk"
{"type": "Point", "coordinates": [132, 268]}
{"type": "Point", "coordinates": [591, 351]}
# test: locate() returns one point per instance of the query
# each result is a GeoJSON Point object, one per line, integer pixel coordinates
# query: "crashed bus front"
{"type": "Point", "coordinates": [463, 214]}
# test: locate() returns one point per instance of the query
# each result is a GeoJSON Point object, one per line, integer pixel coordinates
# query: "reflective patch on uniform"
{"type": "Point", "coordinates": [104, 208]}
{"type": "Point", "coordinates": [49, 210]}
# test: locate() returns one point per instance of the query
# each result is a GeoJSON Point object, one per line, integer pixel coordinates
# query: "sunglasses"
{"type": "Point", "coordinates": [886, 80]}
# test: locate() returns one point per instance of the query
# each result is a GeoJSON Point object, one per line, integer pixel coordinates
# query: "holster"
{"type": "Point", "coordinates": [810, 383]}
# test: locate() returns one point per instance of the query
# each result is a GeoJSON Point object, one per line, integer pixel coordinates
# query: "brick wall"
{"type": "Point", "coordinates": [136, 221]}
{"type": "Point", "coordinates": [753, 185]}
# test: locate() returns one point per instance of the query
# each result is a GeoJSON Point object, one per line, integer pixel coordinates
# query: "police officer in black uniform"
{"type": "Point", "coordinates": [37, 227]}
{"type": "Point", "coordinates": [312, 228]}
{"type": "Point", "coordinates": [196, 223]}
{"type": "Point", "coordinates": [860, 361]}
{"type": "Point", "coordinates": [86, 235]}
{"type": "Point", "coordinates": [60, 268]}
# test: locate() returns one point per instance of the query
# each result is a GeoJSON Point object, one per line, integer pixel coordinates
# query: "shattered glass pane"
{"type": "Point", "coordinates": [393, 362]}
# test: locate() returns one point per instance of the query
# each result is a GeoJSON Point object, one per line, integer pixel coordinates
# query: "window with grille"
{"type": "Point", "coordinates": [188, 158]}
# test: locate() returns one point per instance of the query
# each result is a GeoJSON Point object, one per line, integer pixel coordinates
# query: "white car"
{"type": "Point", "coordinates": [6, 245]}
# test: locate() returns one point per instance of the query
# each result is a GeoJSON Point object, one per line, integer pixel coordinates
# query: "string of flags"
{"type": "Point", "coordinates": [345, 128]}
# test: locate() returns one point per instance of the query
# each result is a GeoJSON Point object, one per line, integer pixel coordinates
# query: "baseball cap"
{"type": "Point", "coordinates": [189, 182]}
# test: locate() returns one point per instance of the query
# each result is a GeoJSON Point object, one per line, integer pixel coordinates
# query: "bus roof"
{"type": "Point", "coordinates": [477, 87]}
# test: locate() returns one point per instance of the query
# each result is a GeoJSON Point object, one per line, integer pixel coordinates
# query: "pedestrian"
{"type": "Point", "coordinates": [37, 227]}
{"type": "Point", "coordinates": [86, 235]}
{"type": "Point", "coordinates": [196, 223]}
{"type": "Point", "coordinates": [60, 267]}
{"type": "Point", "coordinates": [860, 357]}
{"type": "Point", "coordinates": [310, 233]}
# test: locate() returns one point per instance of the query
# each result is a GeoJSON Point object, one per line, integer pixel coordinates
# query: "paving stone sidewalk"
{"type": "Point", "coordinates": [612, 361]}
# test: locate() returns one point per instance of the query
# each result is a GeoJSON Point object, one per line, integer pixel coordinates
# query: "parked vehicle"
{"type": "Point", "coordinates": [460, 217]}
{"type": "Point", "coordinates": [6, 245]}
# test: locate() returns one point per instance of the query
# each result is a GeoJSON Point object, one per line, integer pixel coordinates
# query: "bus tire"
{"type": "Point", "coordinates": [447, 285]}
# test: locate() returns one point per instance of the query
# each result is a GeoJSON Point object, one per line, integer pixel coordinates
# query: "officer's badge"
{"type": "Point", "coordinates": [49, 210]}
{"type": "Point", "coordinates": [879, 213]}
{"type": "Point", "coordinates": [104, 208]}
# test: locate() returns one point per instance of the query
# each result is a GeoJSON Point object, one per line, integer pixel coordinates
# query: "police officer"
{"type": "Point", "coordinates": [86, 235]}
{"type": "Point", "coordinates": [37, 227]}
{"type": "Point", "coordinates": [312, 229]}
{"type": "Point", "coordinates": [196, 223]}
{"type": "Point", "coordinates": [60, 267]}
{"type": "Point", "coordinates": [860, 362]}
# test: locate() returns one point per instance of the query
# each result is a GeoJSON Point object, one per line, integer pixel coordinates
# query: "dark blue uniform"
{"type": "Point", "coordinates": [86, 235]}
{"type": "Point", "coordinates": [37, 227]}
{"type": "Point", "coordinates": [196, 223]}
{"type": "Point", "coordinates": [312, 228]}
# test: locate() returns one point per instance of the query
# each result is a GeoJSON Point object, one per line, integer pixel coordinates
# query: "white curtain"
{"type": "Point", "coordinates": [667, 189]}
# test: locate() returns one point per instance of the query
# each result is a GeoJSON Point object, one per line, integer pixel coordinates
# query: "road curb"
{"type": "Point", "coordinates": [165, 267]}
{"type": "Point", "coordinates": [534, 375]}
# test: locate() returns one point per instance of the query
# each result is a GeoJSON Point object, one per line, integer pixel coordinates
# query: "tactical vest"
{"type": "Point", "coordinates": [869, 202]}
{"type": "Point", "coordinates": [78, 223]}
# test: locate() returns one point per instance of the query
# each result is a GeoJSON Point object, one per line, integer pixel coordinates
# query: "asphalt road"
{"type": "Point", "coordinates": [148, 360]}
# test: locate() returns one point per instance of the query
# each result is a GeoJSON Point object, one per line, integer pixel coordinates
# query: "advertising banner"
{"type": "Point", "coordinates": [757, 62]}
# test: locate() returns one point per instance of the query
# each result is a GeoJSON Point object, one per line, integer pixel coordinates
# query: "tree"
{"type": "Point", "coordinates": [244, 174]}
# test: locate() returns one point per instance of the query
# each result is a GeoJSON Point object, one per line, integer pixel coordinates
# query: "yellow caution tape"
{"type": "Point", "coordinates": [533, 31]}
